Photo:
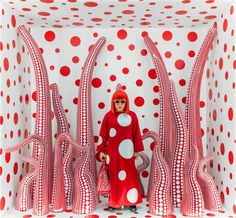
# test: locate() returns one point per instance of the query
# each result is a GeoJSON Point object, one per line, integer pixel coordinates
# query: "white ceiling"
{"type": "Point", "coordinates": [116, 13]}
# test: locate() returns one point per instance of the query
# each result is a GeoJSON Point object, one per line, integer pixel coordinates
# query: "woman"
{"type": "Point", "coordinates": [119, 143]}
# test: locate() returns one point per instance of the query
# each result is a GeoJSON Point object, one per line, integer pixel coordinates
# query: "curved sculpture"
{"type": "Point", "coordinates": [42, 138]}
{"type": "Point", "coordinates": [179, 149]}
{"type": "Point", "coordinates": [165, 126]}
{"type": "Point", "coordinates": [210, 193]}
{"type": "Point", "coordinates": [41, 201]}
{"type": "Point", "coordinates": [160, 203]}
{"type": "Point", "coordinates": [153, 169]}
{"type": "Point", "coordinates": [192, 203]}
{"type": "Point", "coordinates": [85, 192]}
{"type": "Point", "coordinates": [192, 111]}
{"type": "Point", "coordinates": [85, 136]}
{"type": "Point", "coordinates": [63, 177]}
{"type": "Point", "coordinates": [141, 167]}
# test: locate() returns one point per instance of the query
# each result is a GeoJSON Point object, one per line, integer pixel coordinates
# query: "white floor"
{"type": "Point", "coordinates": [102, 212]}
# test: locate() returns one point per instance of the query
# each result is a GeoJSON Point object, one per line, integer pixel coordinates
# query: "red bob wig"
{"type": "Point", "coordinates": [120, 94]}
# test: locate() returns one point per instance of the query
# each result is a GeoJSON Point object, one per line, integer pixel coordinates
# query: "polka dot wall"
{"type": "Point", "coordinates": [220, 108]}
{"type": "Point", "coordinates": [15, 107]}
{"type": "Point", "coordinates": [178, 31]}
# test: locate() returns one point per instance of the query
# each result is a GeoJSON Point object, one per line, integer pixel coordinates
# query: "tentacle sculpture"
{"type": "Point", "coordinates": [210, 193]}
{"type": "Point", "coordinates": [41, 201]}
{"type": "Point", "coordinates": [165, 127]}
{"type": "Point", "coordinates": [153, 169]}
{"type": "Point", "coordinates": [192, 111]}
{"type": "Point", "coordinates": [180, 149]}
{"type": "Point", "coordinates": [141, 167]}
{"type": "Point", "coordinates": [160, 203]}
{"type": "Point", "coordinates": [85, 192]}
{"type": "Point", "coordinates": [85, 135]}
{"type": "Point", "coordinates": [63, 177]}
{"type": "Point", "coordinates": [59, 195]}
{"type": "Point", "coordinates": [192, 203]}
{"type": "Point", "coordinates": [43, 111]}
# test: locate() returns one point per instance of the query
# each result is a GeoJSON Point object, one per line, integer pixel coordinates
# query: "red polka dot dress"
{"type": "Point", "coordinates": [119, 138]}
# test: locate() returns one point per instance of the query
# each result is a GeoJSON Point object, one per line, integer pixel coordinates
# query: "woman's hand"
{"type": "Point", "coordinates": [136, 155]}
{"type": "Point", "coordinates": [102, 156]}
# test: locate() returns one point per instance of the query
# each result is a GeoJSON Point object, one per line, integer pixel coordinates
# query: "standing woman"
{"type": "Point", "coordinates": [119, 143]}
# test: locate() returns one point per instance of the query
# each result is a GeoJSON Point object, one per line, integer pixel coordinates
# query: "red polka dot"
{"type": "Point", "coordinates": [139, 82]}
{"type": "Point", "coordinates": [143, 52]}
{"type": "Point", "coordinates": [139, 101]}
{"type": "Point", "coordinates": [2, 203]}
{"type": "Point", "coordinates": [8, 157]}
{"type": "Point", "coordinates": [128, 12]}
{"type": "Point", "coordinates": [110, 47]}
{"type": "Point", "coordinates": [221, 62]}
{"type": "Point", "coordinates": [210, 214]}
{"type": "Point", "coordinates": [168, 54]}
{"type": "Point", "coordinates": [113, 78]}
{"type": "Point", "coordinates": [90, 4]}
{"type": "Point", "coordinates": [15, 168]}
{"type": "Point", "coordinates": [230, 114]}
{"type": "Point", "coordinates": [167, 35]}
{"type": "Point", "coordinates": [101, 105]}
{"type": "Point", "coordinates": [18, 58]}
{"type": "Point", "coordinates": [225, 25]}
{"type": "Point", "coordinates": [231, 157]}
{"type": "Point", "coordinates": [65, 71]}
{"type": "Point", "coordinates": [145, 174]}
{"type": "Point", "coordinates": [96, 82]}
{"type": "Point", "coordinates": [152, 74]}
{"type": "Point", "coordinates": [131, 47]}
{"type": "Point", "coordinates": [122, 34]}
{"type": "Point", "coordinates": [75, 59]}
{"type": "Point", "coordinates": [125, 70]}
{"type": "Point", "coordinates": [47, 1]}
{"type": "Point", "coordinates": [49, 36]}
{"type": "Point", "coordinates": [180, 64]}
{"type": "Point", "coordinates": [13, 21]}
{"type": "Point", "coordinates": [222, 148]}
{"type": "Point", "coordinates": [44, 14]}
{"type": "Point", "coordinates": [234, 209]}
{"type": "Point", "coordinates": [75, 101]}
{"type": "Point", "coordinates": [75, 41]}
{"type": "Point", "coordinates": [192, 36]}
{"type": "Point", "coordinates": [181, 12]}
{"type": "Point", "coordinates": [6, 64]}
{"type": "Point", "coordinates": [15, 118]}
{"type": "Point", "coordinates": [182, 82]}
{"type": "Point", "coordinates": [34, 96]}
{"type": "Point", "coordinates": [214, 115]}
{"type": "Point", "coordinates": [191, 54]}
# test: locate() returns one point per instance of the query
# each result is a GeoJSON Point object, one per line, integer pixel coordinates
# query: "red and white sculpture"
{"type": "Point", "coordinates": [159, 195]}
{"type": "Point", "coordinates": [165, 130]}
{"type": "Point", "coordinates": [192, 203]}
{"type": "Point", "coordinates": [39, 180]}
{"type": "Point", "coordinates": [192, 110]}
{"type": "Point", "coordinates": [62, 194]}
{"type": "Point", "coordinates": [179, 149]}
{"type": "Point", "coordinates": [210, 193]}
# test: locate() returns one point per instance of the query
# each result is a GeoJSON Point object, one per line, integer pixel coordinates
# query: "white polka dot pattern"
{"type": "Point", "coordinates": [124, 119]}
{"type": "Point", "coordinates": [126, 149]}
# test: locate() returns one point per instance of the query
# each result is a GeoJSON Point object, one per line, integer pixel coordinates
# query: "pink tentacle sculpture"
{"type": "Point", "coordinates": [160, 203]}
{"type": "Point", "coordinates": [85, 191]}
{"type": "Point", "coordinates": [165, 130]}
{"type": "Point", "coordinates": [41, 201]}
{"type": "Point", "coordinates": [59, 196]}
{"type": "Point", "coordinates": [153, 169]}
{"type": "Point", "coordinates": [192, 111]}
{"type": "Point", "coordinates": [210, 193]}
{"type": "Point", "coordinates": [85, 136]}
{"type": "Point", "coordinates": [60, 166]}
{"type": "Point", "coordinates": [180, 149]}
{"type": "Point", "coordinates": [192, 203]}
{"type": "Point", "coordinates": [43, 107]}
{"type": "Point", "coordinates": [141, 167]}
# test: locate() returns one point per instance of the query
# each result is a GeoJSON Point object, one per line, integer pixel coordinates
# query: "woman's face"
{"type": "Point", "coordinates": [120, 105]}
